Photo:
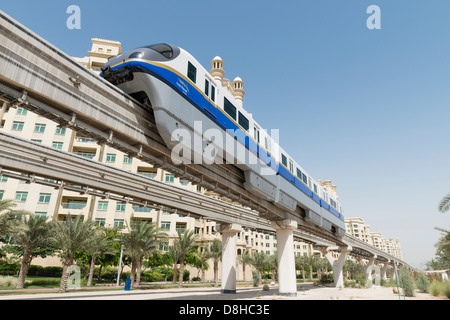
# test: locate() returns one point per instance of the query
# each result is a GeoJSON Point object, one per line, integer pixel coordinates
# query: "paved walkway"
{"type": "Point", "coordinates": [305, 292]}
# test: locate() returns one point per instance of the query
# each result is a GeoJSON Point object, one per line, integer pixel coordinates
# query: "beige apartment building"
{"type": "Point", "coordinates": [57, 204]}
{"type": "Point", "coordinates": [359, 229]}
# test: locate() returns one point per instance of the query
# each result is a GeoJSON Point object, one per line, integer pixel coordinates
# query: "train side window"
{"type": "Point", "coordinates": [299, 174]}
{"type": "Point", "coordinates": [229, 108]}
{"type": "Point", "coordinates": [243, 121]}
{"type": "Point", "coordinates": [256, 134]}
{"type": "Point", "coordinates": [213, 93]}
{"type": "Point", "coordinates": [192, 72]}
{"type": "Point", "coordinates": [305, 179]}
{"type": "Point", "coordinates": [315, 188]}
{"type": "Point", "coordinates": [291, 166]}
{"type": "Point", "coordinates": [207, 87]}
{"type": "Point", "coordinates": [284, 160]}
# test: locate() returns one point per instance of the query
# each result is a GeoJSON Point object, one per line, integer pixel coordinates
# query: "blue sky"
{"type": "Point", "coordinates": [368, 109]}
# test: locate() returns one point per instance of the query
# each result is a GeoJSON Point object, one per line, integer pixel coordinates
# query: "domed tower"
{"type": "Point", "coordinates": [239, 92]}
{"type": "Point", "coordinates": [217, 69]}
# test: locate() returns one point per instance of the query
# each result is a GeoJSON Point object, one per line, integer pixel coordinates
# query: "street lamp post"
{"type": "Point", "coordinates": [120, 265]}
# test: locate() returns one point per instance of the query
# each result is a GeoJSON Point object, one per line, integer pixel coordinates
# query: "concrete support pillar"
{"type": "Point", "coordinates": [3, 110]}
{"type": "Point", "coordinates": [229, 232]}
{"type": "Point", "coordinates": [369, 267]}
{"type": "Point", "coordinates": [286, 257]}
{"type": "Point", "coordinates": [337, 264]}
{"type": "Point", "coordinates": [383, 270]}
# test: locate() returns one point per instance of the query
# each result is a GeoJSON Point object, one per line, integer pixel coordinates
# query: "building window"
{"type": "Point", "coordinates": [164, 246]}
{"type": "Point", "coordinates": [57, 145]}
{"type": "Point", "coordinates": [119, 223]}
{"type": "Point", "coordinates": [120, 206]}
{"type": "Point", "coordinates": [142, 209]}
{"type": "Point", "coordinates": [192, 72]}
{"type": "Point", "coordinates": [3, 179]}
{"type": "Point", "coordinates": [180, 227]}
{"type": "Point", "coordinates": [39, 128]}
{"type": "Point", "coordinates": [184, 182]}
{"type": "Point", "coordinates": [149, 173]}
{"type": "Point", "coordinates": [22, 111]}
{"type": "Point", "coordinates": [86, 154]}
{"type": "Point", "coordinates": [42, 215]}
{"type": "Point", "coordinates": [102, 206]}
{"type": "Point", "coordinates": [111, 157]}
{"type": "Point", "coordinates": [100, 222]}
{"type": "Point", "coordinates": [17, 126]}
{"type": "Point", "coordinates": [2, 192]}
{"type": "Point", "coordinates": [127, 160]}
{"type": "Point", "coordinates": [44, 198]}
{"type": "Point", "coordinates": [21, 196]}
{"type": "Point", "coordinates": [165, 225]}
{"type": "Point", "coordinates": [170, 178]}
{"type": "Point", "coordinates": [36, 141]}
{"type": "Point", "coordinates": [60, 131]}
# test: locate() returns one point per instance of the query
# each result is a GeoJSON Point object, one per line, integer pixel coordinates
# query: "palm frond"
{"type": "Point", "coordinates": [444, 206]}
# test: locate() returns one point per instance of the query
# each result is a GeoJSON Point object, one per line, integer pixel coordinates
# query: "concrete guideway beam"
{"type": "Point", "coordinates": [286, 257]}
{"type": "Point", "coordinates": [229, 235]}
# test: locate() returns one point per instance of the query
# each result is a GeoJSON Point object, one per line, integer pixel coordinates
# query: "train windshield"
{"type": "Point", "coordinates": [163, 49]}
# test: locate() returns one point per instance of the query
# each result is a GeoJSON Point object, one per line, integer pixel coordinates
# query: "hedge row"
{"type": "Point", "coordinates": [33, 271]}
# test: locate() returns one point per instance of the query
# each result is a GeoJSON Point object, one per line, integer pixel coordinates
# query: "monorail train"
{"type": "Point", "coordinates": [185, 96]}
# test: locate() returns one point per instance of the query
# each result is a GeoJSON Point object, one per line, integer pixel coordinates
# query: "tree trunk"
{"type": "Point", "coordinates": [243, 272]}
{"type": "Point", "coordinates": [180, 275]}
{"type": "Point", "coordinates": [310, 272]}
{"type": "Point", "coordinates": [260, 279]}
{"type": "Point", "coordinates": [303, 274]}
{"type": "Point", "coordinates": [91, 271]}
{"type": "Point", "coordinates": [216, 274]}
{"type": "Point", "coordinates": [68, 261]}
{"type": "Point", "coordinates": [203, 273]}
{"type": "Point", "coordinates": [26, 261]}
{"type": "Point", "coordinates": [175, 269]}
{"type": "Point", "coordinates": [138, 273]}
{"type": "Point", "coordinates": [133, 272]}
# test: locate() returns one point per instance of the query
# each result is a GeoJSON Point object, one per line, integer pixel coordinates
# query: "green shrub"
{"type": "Point", "coordinates": [361, 280]}
{"type": "Point", "coordinates": [447, 289]}
{"type": "Point", "coordinates": [436, 288]}
{"type": "Point", "coordinates": [422, 282]}
{"type": "Point", "coordinates": [407, 282]}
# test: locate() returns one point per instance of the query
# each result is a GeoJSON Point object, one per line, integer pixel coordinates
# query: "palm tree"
{"type": "Point", "coordinates": [72, 235]}
{"type": "Point", "coordinates": [142, 240]}
{"type": "Point", "coordinates": [245, 260]}
{"type": "Point", "coordinates": [273, 263]}
{"type": "Point", "coordinates": [175, 258]}
{"type": "Point", "coordinates": [101, 245]}
{"type": "Point", "coordinates": [300, 263]}
{"type": "Point", "coordinates": [444, 206]}
{"type": "Point", "coordinates": [32, 233]}
{"type": "Point", "coordinates": [443, 245]}
{"type": "Point", "coordinates": [184, 244]}
{"type": "Point", "coordinates": [259, 260]}
{"type": "Point", "coordinates": [215, 253]}
{"type": "Point", "coordinates": [311, 261]}
{"type": "Point", "coordinates": [6, 216]}
{"type": "Point", "coordinates": [203, 257]}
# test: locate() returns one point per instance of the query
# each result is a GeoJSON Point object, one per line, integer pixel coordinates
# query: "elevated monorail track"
{"type": "Point", "coordinates": [41, 78]}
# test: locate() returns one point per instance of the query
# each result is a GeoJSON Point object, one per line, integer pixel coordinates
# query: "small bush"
{"type": "Point", "coordinates": [8, 282]}
{"type": "Point", "coordinates": [196, 279]}
{"type": "Point", "coordinates": [447, 289]}
{"type": "Point", "coordinates": [407, 282]}
{"type": "Point", "coordinates": [422, 282]}
{"type": "Point", "coordinates": [436, 288]}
